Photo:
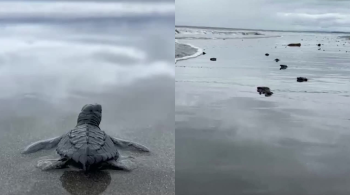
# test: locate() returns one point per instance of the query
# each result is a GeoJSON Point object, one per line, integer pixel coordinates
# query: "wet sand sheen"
{"type": "Point", "coordinates": [230, 140]}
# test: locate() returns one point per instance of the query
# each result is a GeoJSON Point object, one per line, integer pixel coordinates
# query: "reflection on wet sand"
{"type": "Point", "coordinates": [81, 183]}
{"type": "Point", "coordinates": [229, 140]}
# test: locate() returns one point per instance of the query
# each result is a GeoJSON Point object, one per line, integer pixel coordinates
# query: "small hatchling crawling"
{"type": "Point", "coordinates": [264, 90]}
{"type": "Point", "coordinates": [302, 79]}
{"type": "Point", "coordinates": [283, 67]}
{"type": "Point", "coordinates": [86, 146]}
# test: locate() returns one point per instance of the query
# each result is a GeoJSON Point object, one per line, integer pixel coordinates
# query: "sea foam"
{"type": "Point", "coordinates": [184, 51]}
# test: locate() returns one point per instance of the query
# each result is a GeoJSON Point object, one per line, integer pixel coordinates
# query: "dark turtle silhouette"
{"type": "Point", "coordinates": [283, 67]}
{"type": "Point", "coordinates": [212, 59]}
{"type": "Point", "coordinates": [267, 54]}
{"type": "Point", "coordinates": [277, 60]}
{"type": "Point", "coordinates": [86, 146]}
{"type": "Point", "coordinates": [294, 44]}
{"type": "Point", "coordinates": [264, 90]}
{"type": "Point", "coordinates": [302, 79]}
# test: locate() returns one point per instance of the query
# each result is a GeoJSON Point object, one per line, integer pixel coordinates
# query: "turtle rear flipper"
{"type": "Point", "coordinates": [49, 164]}
{"type": "Point", "coordinates": [42, 144]}
{"type": "Point", "coordinates": [122, 163]}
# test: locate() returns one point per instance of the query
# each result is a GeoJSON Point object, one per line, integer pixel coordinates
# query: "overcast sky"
{"type": "Point", "coordinates": [266, 14]}
{"type": "Point", "coordinates": [83, 9]}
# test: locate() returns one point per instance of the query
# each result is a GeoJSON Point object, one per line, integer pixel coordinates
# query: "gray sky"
{"type": "Point", "coordinates": [80, 9]}
{"type": "Point", "coordinates": [333, 15]}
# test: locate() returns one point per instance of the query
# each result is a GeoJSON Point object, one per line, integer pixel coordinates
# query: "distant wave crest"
{"type": "Point", "coordinates": [194, 33]}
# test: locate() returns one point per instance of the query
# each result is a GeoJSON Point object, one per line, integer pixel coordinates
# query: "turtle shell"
{"type": "Point", "coordinates": [88, 145]}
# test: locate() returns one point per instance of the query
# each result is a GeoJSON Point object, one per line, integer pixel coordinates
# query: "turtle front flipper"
{"type": "Point", "coordinates": [49, 164]}
{"type": "Point", "coordinates": [122, 163]}
{"type": "Point", "coordinates": [42, 144]}
{"type": "Point", "coordinates": [128, 144]}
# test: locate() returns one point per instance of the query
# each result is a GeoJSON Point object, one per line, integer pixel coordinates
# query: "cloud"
{"type": "Point", "coordinates": [313, 17]}
{"type": "Point", "coordinates": [331, 21]}
{"type": "Point", "coordinates": [70, 66]}
{"type": "Point", "coordinates": [266, 14]}
{"type": "Point", "coordinates": [64, 10]}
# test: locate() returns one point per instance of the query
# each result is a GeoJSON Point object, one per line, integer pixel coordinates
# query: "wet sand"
{"type": "Point", "coordinates": [48, 72]}
{"type": "Point", "coordinates": [231, 140]}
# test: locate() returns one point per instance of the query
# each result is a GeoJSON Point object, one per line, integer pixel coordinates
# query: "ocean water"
{"type": "Point", "coordinates": [116, 53]}
{"type": "Point", "coordinates": [210, 33]}
{"type": "Point", "coordinates": [231, 140]}
{"type": "Point", "coordinates": [184, 50]}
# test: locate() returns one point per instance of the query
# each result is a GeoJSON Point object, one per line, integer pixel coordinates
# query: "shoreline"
{"type": "Point", "coordinates": [220, 38]}
{"type": "Point", "coordinates": [198, 53]}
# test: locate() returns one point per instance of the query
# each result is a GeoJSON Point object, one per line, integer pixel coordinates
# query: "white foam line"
{"type": "Point", "coordinates": [198, 53]}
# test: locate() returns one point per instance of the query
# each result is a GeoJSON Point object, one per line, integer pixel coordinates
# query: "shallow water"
{"type": "Point", "coordinates": [182, 50]}
{"type": "Point", "coordinates": [231, 140]}
{"type": "Point", "coordinates": [50, 68]}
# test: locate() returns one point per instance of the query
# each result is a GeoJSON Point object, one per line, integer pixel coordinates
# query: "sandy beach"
{"type": "Point", "coordinates": [231, 140]}
{"type": "Point", "coordinates": [52, 67]}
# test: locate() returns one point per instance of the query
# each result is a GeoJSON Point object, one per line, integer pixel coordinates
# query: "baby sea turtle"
{"type": "Point", "coordinates": [264, 90]}
{"type": "Point", "coordinates": [283, 67]}
{"type": "Point", "coordinates": [294, 44]}
{"type": "Point", "coordinates": [302, 79]}
{"type": "Point", "coordinates": [277, 60]}
{"type": "Point", "coordinates": [86, 146]}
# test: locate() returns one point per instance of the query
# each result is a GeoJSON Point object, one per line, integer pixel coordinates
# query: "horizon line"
{"type": "Point", "coordinates": [229, 28]}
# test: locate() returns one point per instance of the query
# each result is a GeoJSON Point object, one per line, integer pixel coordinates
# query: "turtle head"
{"type": "Point", "coordinates": [90, 114]}
{"type": "Point", "coordinates": [92, 108]}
